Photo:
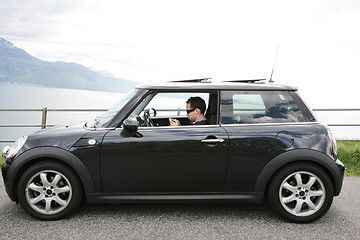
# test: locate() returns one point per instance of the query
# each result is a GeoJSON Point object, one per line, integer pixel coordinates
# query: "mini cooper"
{"type": "Point", "coordinates": [256, 142]}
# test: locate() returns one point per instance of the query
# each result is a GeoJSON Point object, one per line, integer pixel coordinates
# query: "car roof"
{"type": "Point", "coordinates": [207, 85]}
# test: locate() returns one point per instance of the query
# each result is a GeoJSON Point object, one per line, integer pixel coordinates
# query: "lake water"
{"type": "Point", "coordinates": [34, 97]}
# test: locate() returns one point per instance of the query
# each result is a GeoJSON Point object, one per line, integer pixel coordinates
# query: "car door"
{"type": "Point", "coordinates": [184, 159]}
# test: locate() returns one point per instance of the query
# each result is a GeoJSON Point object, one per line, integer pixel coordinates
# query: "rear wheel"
{"type": "Point", "coordinates": [49, 190]}
{"type": "Point", "coordinates": [301, 192]}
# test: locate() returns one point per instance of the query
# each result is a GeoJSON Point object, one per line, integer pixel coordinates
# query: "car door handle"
{"type": "Point", "coordinates": [216, 140]}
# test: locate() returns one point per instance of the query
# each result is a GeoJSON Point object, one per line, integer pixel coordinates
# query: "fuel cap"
{"type": "Point", "coordinates": [284, 139]}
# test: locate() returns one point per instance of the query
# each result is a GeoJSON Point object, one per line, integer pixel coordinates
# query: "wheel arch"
{"type": "Point", "coordinates": [300, 155]}
{"type": "Point", "coordinates": [28, 158]}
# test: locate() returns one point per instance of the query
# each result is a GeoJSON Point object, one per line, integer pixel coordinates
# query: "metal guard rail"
{"type": "Point", "coordinates": [46, 110]}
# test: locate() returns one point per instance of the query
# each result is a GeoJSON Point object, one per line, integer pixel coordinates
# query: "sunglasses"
{"type": "Point", "coordinates": [190, 110]}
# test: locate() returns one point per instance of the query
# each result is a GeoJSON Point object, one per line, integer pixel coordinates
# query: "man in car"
{"type": "Point", "coordinates": [195, 109]}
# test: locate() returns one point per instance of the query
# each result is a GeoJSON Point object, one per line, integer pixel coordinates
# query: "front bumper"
{"type": "Point", "coordinates": [4, 170]}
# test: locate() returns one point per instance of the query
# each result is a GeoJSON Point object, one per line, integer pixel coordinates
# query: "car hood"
{"type": "Point", "coordinates": [62, 137]}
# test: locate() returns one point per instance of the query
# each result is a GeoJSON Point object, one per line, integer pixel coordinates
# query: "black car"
{"type": "Point", "coordinates": [260, 142]}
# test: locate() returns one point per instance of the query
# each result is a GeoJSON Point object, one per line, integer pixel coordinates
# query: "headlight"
{"type": "Point", "coordinates": [5, 151]}
{"type": "Point", "coordinates": [10, 152]}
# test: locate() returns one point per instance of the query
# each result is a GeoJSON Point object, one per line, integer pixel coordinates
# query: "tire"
{"type": "Point", "coordinates": [49, 190]}
{"type": "Point", "coordinates": [301, 192]}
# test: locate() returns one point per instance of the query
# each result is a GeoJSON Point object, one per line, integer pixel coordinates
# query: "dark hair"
{"type": "Point", "coordinates": [197, 102]}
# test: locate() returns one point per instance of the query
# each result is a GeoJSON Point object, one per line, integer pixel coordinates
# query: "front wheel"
{"type": "Point", "coordinates": [49, 190]}
{"type": "Point", "coordinates": [301, 192]}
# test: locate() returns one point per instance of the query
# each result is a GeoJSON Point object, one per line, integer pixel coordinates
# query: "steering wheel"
{"type": "Point", "coordinates": [147, 119]}
{"type": "Point", "coordinates": [140, 121]}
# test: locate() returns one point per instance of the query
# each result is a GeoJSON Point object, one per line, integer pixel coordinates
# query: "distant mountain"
{"type": "Point", "coordinates": [17, 66]}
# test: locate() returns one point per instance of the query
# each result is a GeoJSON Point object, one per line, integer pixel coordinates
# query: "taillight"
{"type": "Point", "coordinates": [333, 142]}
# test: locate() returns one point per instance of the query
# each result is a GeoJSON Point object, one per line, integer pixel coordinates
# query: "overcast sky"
{"type": "Point", "coordinates": [168, 40]}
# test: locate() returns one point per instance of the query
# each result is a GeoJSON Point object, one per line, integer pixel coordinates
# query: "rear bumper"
{"type": "Point", "coordinates": [340, 179]}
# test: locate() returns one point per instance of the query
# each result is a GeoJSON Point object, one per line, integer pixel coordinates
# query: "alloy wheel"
{"type": "Point", "coordinates": [48, 192]}
{"type": "Point", "coordinates": [302, 193]}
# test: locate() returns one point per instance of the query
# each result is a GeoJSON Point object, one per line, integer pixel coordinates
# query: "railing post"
{"type": "Point", "coordinates": [43, 120]}
{"type": "Point", "coordinates": [178, 111]}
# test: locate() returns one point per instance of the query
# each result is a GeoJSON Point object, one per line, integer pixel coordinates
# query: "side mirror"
{"type": "Point", "coordinates": [131, 124]}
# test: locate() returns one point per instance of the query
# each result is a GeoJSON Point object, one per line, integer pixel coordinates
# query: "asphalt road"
{"type": "Point", "coordinates": [174, 221]}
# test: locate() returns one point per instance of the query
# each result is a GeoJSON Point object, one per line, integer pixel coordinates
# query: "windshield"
{"type": "Point", "coordinates": [110, 114]}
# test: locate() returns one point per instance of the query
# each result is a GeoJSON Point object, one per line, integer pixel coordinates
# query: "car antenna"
{"type": "Point", "coordinates": [272, 71]}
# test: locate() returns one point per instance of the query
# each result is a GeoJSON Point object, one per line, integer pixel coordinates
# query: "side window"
{"type": "Point", "coordinates": [156, 108]}
{"type": "Point", "coordinates": [248, 107]}
{"type": "Point", "coordinates": [173, 104]}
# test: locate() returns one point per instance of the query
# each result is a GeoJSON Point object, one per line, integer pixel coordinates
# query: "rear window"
{"type": "Point", "coordinates": [249, 107]}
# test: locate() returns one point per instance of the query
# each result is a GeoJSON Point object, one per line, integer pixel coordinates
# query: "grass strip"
{"type": "Point", "coordinates": [349, 154]}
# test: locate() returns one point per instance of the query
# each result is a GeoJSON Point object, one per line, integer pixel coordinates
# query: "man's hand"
{"type": "Point", "coordinates": [174, 122]}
